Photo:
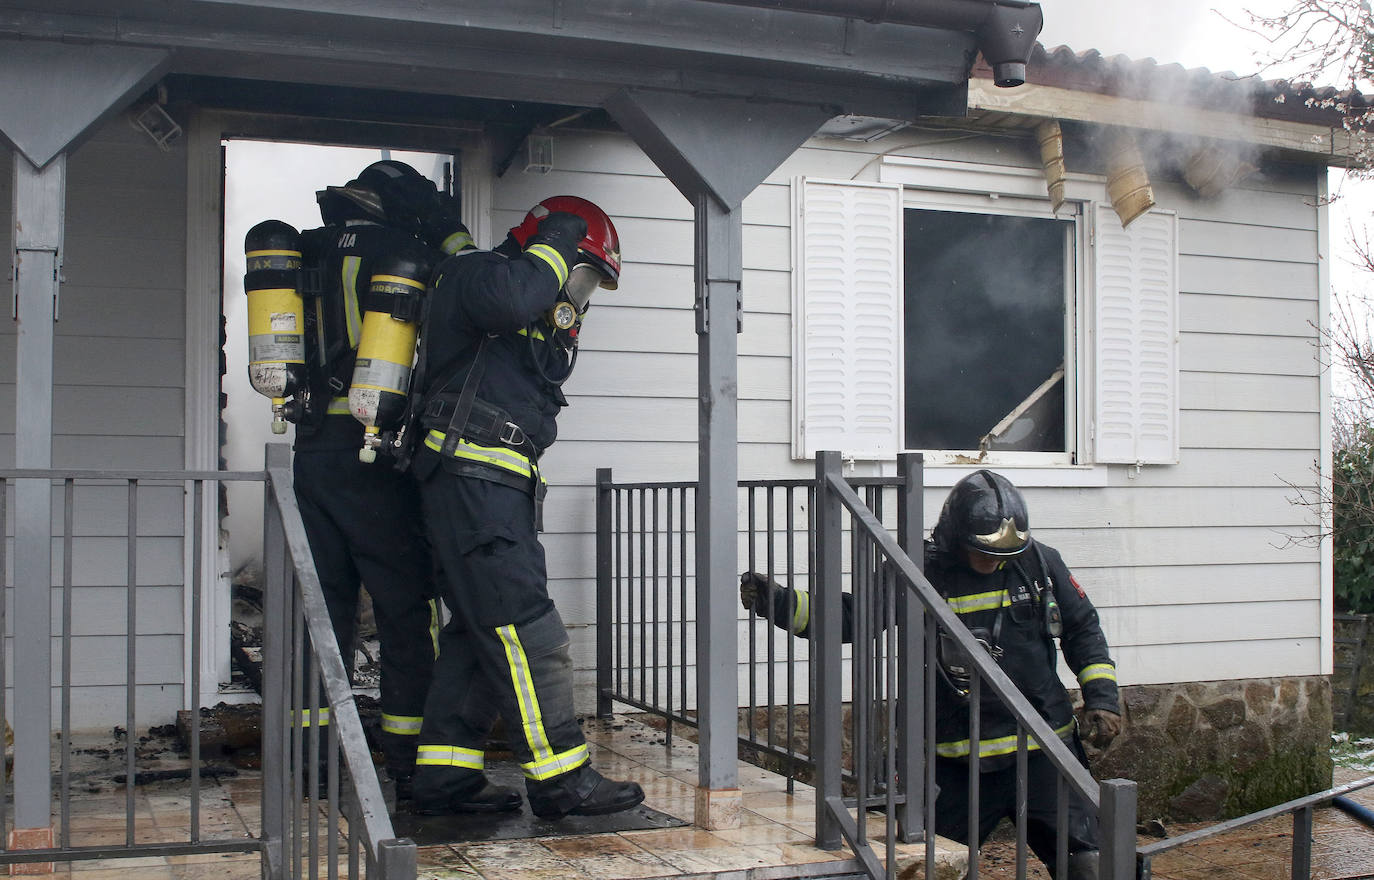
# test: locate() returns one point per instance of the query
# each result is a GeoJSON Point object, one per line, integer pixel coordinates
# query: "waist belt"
{"type": "Point", "coordinates": [485, 425]}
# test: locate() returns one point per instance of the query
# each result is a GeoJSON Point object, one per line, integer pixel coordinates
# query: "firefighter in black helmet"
{"type": "Point", "coordinates": [363, 520]}
{"type": "Point", "coordinates": [1017, 598]}
{"type": "Point", "coordinates": [500, 339]}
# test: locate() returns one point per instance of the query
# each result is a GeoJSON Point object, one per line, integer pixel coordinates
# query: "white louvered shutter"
{"type": "Point", "coordinates": [847, 338]}
{"type": "Point", "coordinates": [1136, 333]}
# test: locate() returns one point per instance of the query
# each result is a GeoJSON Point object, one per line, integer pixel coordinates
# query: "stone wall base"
{"type": "Point", "coordinates": [1201, 751]}
{"type": "Point", "coordinates": [1198, 751]}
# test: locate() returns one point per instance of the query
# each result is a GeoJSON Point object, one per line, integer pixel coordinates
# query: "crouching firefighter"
{"type": "Point", "coordinates": [500, 338]}
{"type": "Point", "coordinates": [363, 521]}
{"type": "Point", "coordinates": [1016, 597]}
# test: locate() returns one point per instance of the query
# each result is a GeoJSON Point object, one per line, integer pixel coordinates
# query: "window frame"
{"type": "Point", "coordinates": [1077, 331]}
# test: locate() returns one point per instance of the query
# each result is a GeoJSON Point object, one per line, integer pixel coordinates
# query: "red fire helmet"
{"type": "Point", "coordinates": [601, 247]}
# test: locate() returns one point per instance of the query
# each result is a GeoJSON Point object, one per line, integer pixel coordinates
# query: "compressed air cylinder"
{"type": "Point", "coordinates": [276, 315]}
{"type": "Point", "coordinates": [386, 348]}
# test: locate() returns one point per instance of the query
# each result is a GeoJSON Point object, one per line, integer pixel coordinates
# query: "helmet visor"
{"type": "Point", "coordinates": [583, 281]}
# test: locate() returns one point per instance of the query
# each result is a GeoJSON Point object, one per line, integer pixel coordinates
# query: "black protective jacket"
{"type": "Point", "coordinates": [1006, 608]}
{"type": "Point", "coordinates": [485, 295]}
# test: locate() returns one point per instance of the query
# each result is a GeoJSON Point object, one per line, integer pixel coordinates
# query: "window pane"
{"type": "Point", "coordinates": [984, 330]}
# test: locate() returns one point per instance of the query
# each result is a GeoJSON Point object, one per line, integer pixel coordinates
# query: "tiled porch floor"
{"type": "Point", "coordinates": [772, 842]}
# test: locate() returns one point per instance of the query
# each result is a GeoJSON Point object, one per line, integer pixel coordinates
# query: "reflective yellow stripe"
{"type": "Point", "coordinates": [1094, 671]}
{"type": "Point", "coordinates": [531, 720]}
{"type": "Point", "coordinates": [351, 267]}
{"type": "Point", "coordinates": [553, 258]}
{"type": "Point", "coordinates": [535, 333]}
{"type": "Point", "coordinates": [556, 764]}
{"type": "Point", "coordinates": [801, 615]}
{"type": "Point", "coordinates": [458, 241]}
{"type": "Point", "coordinates": [991, 748]}
{"type": "Point", "coordinates": [338, 406]}
{"type": "Point", "coordinates": [450, 756]}
{"type": "Point", "coordinates": [979, 602]}
{"type": "Point", "coordinates": [403, 725]}
{"type": "Point", "coordinates": [305, 717]}
{"type": "Point", "coordinates": [546, 763]}
{"type": "Point", "coordinates": [496, 456]}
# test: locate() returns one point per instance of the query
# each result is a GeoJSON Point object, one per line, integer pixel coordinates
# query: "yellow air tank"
{"type": "Point", "coordinates": [276, 315]}
{"type": "Point", "coordinates": [386, 349]}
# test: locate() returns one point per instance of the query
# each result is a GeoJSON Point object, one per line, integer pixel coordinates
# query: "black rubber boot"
{"type": "Point", "coordinates": [1083, 865]}
{"type": "Point", "coordinates": [479, 796]}
{"type": "Point", "coordinates": [582, 792]}
{"type": "Point", "coordinates": [402, 781]}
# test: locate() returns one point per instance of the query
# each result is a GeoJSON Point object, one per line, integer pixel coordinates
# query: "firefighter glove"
{"type": "Point", "coordinates": [1102, 726]}
{"type": "Point", "coordinates": [562, 232]}
{"type": "Point", "coordinates": [753, 592]}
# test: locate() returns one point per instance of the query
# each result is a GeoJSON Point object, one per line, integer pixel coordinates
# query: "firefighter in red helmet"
{"type": "Point", "coordinates": [500, 340]}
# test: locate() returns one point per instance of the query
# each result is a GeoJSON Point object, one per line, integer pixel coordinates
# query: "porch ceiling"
{"type": "Point", "coordinates": [565, 52]}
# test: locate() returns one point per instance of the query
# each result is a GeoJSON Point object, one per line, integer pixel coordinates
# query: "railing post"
{"type": "Point", "coordinates": [1117, 818]}
{"type": "Point", "coordinates": [1302, 843]}
{"type": "Point", "coordinates": [911, 652]}
{"type": "Point", "coordinates": [277, 617]}
{"type": "Point", "coordinates": [826, 636]}
{"type": "Point", "coordinates": [396, 860]}
{"type": "Point", "coordinates": [604, 609]}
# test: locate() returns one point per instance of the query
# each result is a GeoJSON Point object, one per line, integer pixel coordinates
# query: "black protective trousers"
{"type": "Point", "coordinates": [997, 800]}
{"type": "Point", "coordinates": [364, 527]}
{"type": "Point", "coordinates": [506, 646]}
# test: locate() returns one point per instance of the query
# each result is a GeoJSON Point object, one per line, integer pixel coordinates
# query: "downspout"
{"type": "Point", "coordinates": [1005, 30]}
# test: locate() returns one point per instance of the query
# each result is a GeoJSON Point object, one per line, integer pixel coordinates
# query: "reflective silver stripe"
{"type": "Point", "coordinates": [496, 456]}
{"type": "Point", "coordinates": [458, 241]}
{"type": "Point", "coordinates": [404, 725]}
{"type": "Point", "coordinates": [1094, 671]}
{"type": "Point", "coordinates": [801, 615]}
{"type": "Point", "coordinates": [450, 756]}
{"type": "Point", "coordinates": [992, 748]}
{"type": "Point", "coordinates": [979, 602]}
{"type": "Point", "coordinates": [306, 717]}
{"type": "Point", "coordinates": [531, 719]}
{"type": "Point", "coordinates": [338, 406]}
{"type": "Point", "coordinates": [351, 267]}
{"type": "Point", "coordinates": [553, 258]}
{"type": "Point", "coordinates": [557, 764]}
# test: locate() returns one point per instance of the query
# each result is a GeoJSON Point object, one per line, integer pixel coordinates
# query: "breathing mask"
{"type": "Point", "coordinates": [566, 315]}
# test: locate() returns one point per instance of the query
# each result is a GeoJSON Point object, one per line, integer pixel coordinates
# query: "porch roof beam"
{"type": "Point", "coordinates": [572, 51]}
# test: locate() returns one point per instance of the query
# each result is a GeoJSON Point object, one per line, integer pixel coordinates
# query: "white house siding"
{"type": "Point", "coordinates": [1191, 565]}
{"type": "Point", "coordinates": [119, 378]}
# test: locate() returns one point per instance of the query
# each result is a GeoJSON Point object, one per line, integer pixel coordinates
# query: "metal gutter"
{"type": "Point", "coordinates": [1006, 30]}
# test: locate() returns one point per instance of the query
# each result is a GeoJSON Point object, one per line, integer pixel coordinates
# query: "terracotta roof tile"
{"type": "Point", "coordinates": [1147, 79]}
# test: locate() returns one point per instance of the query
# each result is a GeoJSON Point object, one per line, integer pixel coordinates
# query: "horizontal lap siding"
{"type": "Point", "coordinates": [118, 402]}
{"type": "Point", "coordinates": [1214, 540]}
{"type": "Point", "coordinates": [1216, 575]}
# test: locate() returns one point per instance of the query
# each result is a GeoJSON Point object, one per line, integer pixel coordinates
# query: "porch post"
{"type": "Point", "coordinates": [716, 150]}
{"type": "Point", "coordinates": [39, 199]}
{"type": "Point", "coordinates": [718, 272]}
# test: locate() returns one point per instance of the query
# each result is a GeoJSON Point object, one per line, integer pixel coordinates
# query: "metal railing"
{"type": "Point", "coordinates": [1301, 808]}
{"type": "Point", "coordinates": [304, 791]}
{"type": "Point", "coordinates": [295, 680]}
{"type": "Point", "coordinates": [869, 703]}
